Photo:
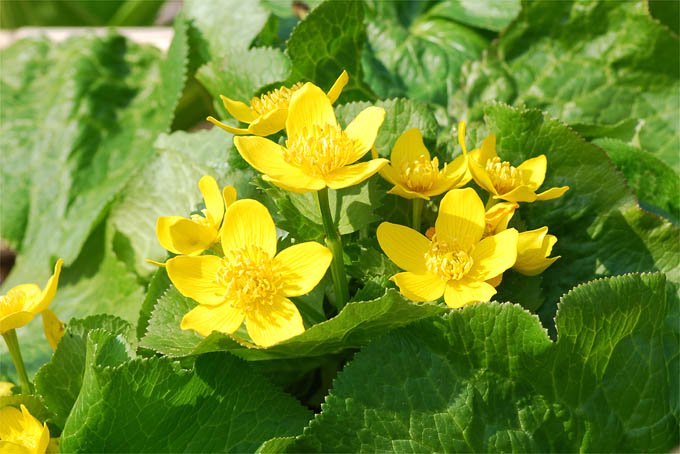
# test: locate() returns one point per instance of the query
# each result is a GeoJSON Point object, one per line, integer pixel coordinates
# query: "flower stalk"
{"type": "Point", "coordinates": [334, 243]}
{"type": "Point", "coordinates": [12, 342]}
{"type": "Point", "coordinates": [418, 204]}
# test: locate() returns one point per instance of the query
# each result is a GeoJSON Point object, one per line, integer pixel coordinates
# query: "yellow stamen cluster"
{"type": "Point", "coordinates": [320, 149]}
{"type": "Point", "coordinates": [202, 220]}
{"type": "Point", "coordinates": [250, 278]}
{"type": "Point", "coordinates": [275, 99]}
{"type": "Point", "coordinates": [503, 175]}
{"type": "Point", "coordinates": [420, 175]}
{"type": "Point", "coordinates": [447, 260]}
{"type": "Point", "coordinates": [12, 302]}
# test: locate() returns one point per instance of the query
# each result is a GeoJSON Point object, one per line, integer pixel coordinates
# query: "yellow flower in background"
{"type": "Point", "coordinates": [318, 153]}
{"type": "Point", "coordinates": [533, 249]}
{"type": "Point", "coordinates": [6, 388]}
{"type": "Point", "coordinates": [53, 327]}
{"type": "Point", "coordinates": [194, 235]}
{"type": "Point", "coordinates": [21, 432]}
{"type": "Point", "coordinates": [503, 181]}
{"type": "Point", "coordinates": [25, 301]}
{"type": "Point", "coordinates": [267, 114]}
{"type": "Point", "coordinates": [251, 282]}
{"type": "Point", "coordinates": [414, 175]}
{"type": "Point", "coordinates": [456, 261]}
{"type": "Point", "coordinates": [498, 217]}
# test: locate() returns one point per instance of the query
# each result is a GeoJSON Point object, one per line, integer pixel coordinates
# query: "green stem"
{"type": "Point", "coordinates": [490, 202]}
{"type": "Point", "coordinates": [14, 350]}
{"type": "Point", "coordinates": [418, 204]}
{"type": "Point", "coordinates": [334, 243]}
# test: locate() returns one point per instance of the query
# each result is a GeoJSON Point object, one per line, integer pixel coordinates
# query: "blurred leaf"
{"type": "Point", "coordinates": [491, 15]}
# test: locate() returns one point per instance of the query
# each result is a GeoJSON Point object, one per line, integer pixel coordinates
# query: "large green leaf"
{"type": "Point", "coordinates": [153, 405]}
{"type": "Point", "coordinates": [354, 326]}
{"type": "Point", "coordinates": [489, 379]}
{"type": "Point", "coordinates": [601, 230]}
{"type": "Point", "coordinates": [487, 14]}
{"type": "Point", "coordinates": [416, 54]}
{"type": "Point", "coordinates": [599, 63]}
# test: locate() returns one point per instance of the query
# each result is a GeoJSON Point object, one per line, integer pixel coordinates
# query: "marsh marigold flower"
{"type": "Point", "coordinates": [194, 235]}
{"type": "Point", "coordinates": [506, 182]}
{"type": "Point", "coordinates": [251, 282]}
{"type": "Point", "coordinates": [267, 114]}
{"type": "Point", "coordinates": [21, 432]}
{"type": "Point", "coordinates": [414, 175]}
{"type": "Point", "coordinates": [53, 327]}
{"type": "Point", "coordinates": [456, 261]}
{"type": "Point", "coordinates": [318, 153]}
{"type": "Point", "coordinates": [533, 249]}
{"type": "Point", "coordinates": [25, 301]}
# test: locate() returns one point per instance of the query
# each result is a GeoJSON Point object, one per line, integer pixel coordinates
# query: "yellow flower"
{"type": "Point", "coordinates": [53, 327]}
{"type": "Point", "coordinates": [25, 301]}
{"type": "Point", "coordinates": [318, 152]}
{"type": "Point", "coordinates": [498, 217]}
{"type": "Point", "coordinates": [414, 175]}
{"type": "Point", "coordinates": [456, 261]}
{"type": "Point", "coordinates": [267, 114]}
{"type": "Point", "coordinates": [21, 432]}
{"type": "Point", "coordinates": [503, 181]}
{"type": "Point", "coordinates": [194, 235]}
{"type": "Point", "coordinates": [6, 388]}
{"type": "Point", "coordinates": [251, 282]}
{"type": "Point", "coordinates": [533, 249]}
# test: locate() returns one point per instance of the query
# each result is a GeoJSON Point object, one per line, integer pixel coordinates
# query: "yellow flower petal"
{"type": "Point", "coordinates": [493, 255]}
{"type": "Point", "coordinates": [229, 195]}
{"type": "Point", "coordinates": [533, 170]}
{"type": "Point", "coordinates": [335, 91]}
{"type": "Point", "coordinates": [408, 148]}
{"type": "Point", "coordinates": [498, 217]}
{"type": "Point", "coordinates": [533, 249]}
{"type": "Point", "coordinates": [552, 193]}
{"type": "Point", "coordinates": [278, 322]}
{"type": "Point", "coordinates": [47, 295]}
{"type": "Point", "coordinates": [308, 106]}
{"type": "Point", "coordinates": [53, 328]}
{"type": "Point", "coordinates": [364, 129]}
{"type": "Point", "coordinates": [21, 432]}
{"type": "Point", "coordinates": [461, 218]}
{"type": "Point", "coordinates": [487, 151]}
{"type": "Point", "coordinates": [297, 182]}
{"type": "Point", "coordinates": [204, 319]}
{"type": "Point", "coordinates": [226, 127]}
{"type": "Point", "coordinates": [6, 388]}
{"type": "Point", "coordinates": [195, 278]}
{"type": "Point", "coordinates": [214, 202]}
{"type": "Point", "coordinates": [183, 236]}
{"type": "Point", "coordinates": [239, 110]}
{"type": "Point", "coordinates": [302, 266]}
{"type": "Point", "coordinates": [457, 171]}
{"type": "Point", "coordinates": [518, 194]}
{"type": "Point", "coordinates": [404, 246]}
{"type": "Point", "coordinates": [270, 123]}
{"type": "Point", "coordinates": [401, 191]}
{"type": "Point", "coordinates": [390, 173]}
{"type": "Point", "coordinates": [32, 293]}
{"type": "Point", "coordinates": [265, 155]}
{"type": "Point", "coordinates": [350, 175]}
{"type": "Point", "coordinates": [419, 287]}
{"type": "Point", "coordinates": [248, 223]}
{"type": "Point", "coordinates": [463, 292]}
{"type": "Point", "coordinates": [461, 136]}
{"type": "Point", "coordinates": [15, 320]}
{"type": "Point", "coordinates": [495, 281]}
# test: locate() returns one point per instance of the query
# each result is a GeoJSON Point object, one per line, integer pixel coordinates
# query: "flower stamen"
{"type": "Point", "coordinates": [447, 260]}
{"type": "Point", "coordinates": [419, 175]}
{"type": "Point", "coordinates": [504, 176]}
{"type": "Point", "coordinates": [12, 302]}
{"type": "Point", "coordinates": [320, 149]}
{"type": "Point", "coordinates": [274, 99]}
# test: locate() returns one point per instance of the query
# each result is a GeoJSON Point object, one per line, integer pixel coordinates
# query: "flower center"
{"type": "Point", "coordinates": [420, 175]}
{"type": "Point", "coordinates": [320, 149]}
{"type": "Point", "coordinates": [447, 260]}
{"type": "Point", "coordinates": [250, 278]}
{"type": "Point", "coordinates": [503, 176]}
{"type": "Point", "coordinates": [202, 220]}
{"type": "Point", "coordinates": [12, 302]}
{"type": "Point", "coordinates": [275, 99]}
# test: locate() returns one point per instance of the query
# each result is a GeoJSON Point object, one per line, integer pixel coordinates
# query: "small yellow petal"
{"type": "Point", "coordinates": [248, 223]}
{"type": "Point", "coordinates": [390, 173]}
{"type": "Point", "coordinates": [183, 236]}
{"type": "Point", "coordinates": [351, 175]}
{"type": "Point", "coordinates": [265, 155]}
{"type": "Point", "coordinates": [239, 110]}
{"type": "Point", "coordinates": [15, 320]}
{"type": "Point", "coordinates": [196, 278]}
{"type": "Point", "coordinates": [335, 91]}
{"type": "Point", "coordinates": [297, 182]}
{"type": "Point", "coordinates": [214, 203]}
{"type": "Point", "coordinates": [408, 148]}
{"type": "Point", "coordinates": [275, 323]}
{"type": "Point", "coordinates": [401, 191]}
{"type": "Point", "coordinates": [229, 195]}
{"type": "Point", "coordinates": [226, 127]}
{"type": "Point", "coordinates": [48, 292]}
{"type": "Point", "coordinates": [493, 255]}
{"type": "Point", "coordinates": [364, 129]}
{"type": "Point", "coordinates": [518, 194]}
{"type": "Point", "coordinates": [21, 432]}
{"type": "Point", "coordinates": [461, 218]}
{"type": "Point", "coordinates": [404, 246]}
{"type": "Point", "coordinates": [419, 287]}
{"type": "Point", "coordinates": [302, 266]}
{"type": "Point", "coordinates": [487, 151]}
{"type": "Point", "coordinates": [552, 193]}
{"type": "Point", "coordinates": [204, 319]}
{"type": "Point", "coordinates": [533, 249]}
{"type": "Point", "coordinates": [465, 291]}
{"type": "Point", "coordinates": [461, 136]}
{"type": "Point", "coordinates": [532, 171]}
{"type": "Point", "coordinates": [53, 328]}
{"type": "Point", "coordinates": [479, 173]}
{"type": "Point", "coordinates": [308, 106]}
{"type": "Point", "coordinates": [270, 123]}
{"type": "Point", "coordinates": [498, 217]}
{"type": "Point", "coordinates": [6, 388]}
{"type": "Point", "coordinates": [495, 281]}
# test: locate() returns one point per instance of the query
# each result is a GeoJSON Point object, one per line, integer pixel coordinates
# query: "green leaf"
{"type": "Point", "coordinates": [604, 64]}
{"type": "Point", "coordinates": [157, 286]}
{"type": "Point", "coordinates": [153, 405]}
{"type": "Point", "coordinates": [60, 380]}
{"type": "Point", "coordinates": [654, 183]}
{"type": "Point", "coordinates": [354, 326]}
{"type": "Point", "coordinates": [601, 231]}
{"type": "Point", "coordinates": [422, 54]}
{"type": "Point", "coordinates": [486, 14]}
{"type": "Point", "coordinates": [488, 379]}
{"type": "Point", "coordinates": [328, 41]}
